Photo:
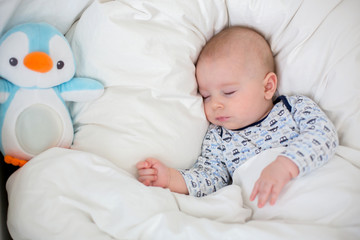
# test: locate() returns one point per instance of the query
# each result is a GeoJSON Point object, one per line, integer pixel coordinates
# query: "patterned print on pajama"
{"type": "Point", "coordinates": [295, 122]}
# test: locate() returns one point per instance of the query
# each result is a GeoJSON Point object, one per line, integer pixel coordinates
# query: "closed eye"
{"type": "Point", "coordinates": [205, 97]}
{"type": "Point", "coordinates": [229, 93]}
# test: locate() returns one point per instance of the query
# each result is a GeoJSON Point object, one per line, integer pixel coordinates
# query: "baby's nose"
{"type": "Point", "coordinates": [216, 103]}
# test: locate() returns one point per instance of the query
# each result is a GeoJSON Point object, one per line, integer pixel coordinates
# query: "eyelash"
{"type": "Point", "coordinates": [225, 93]}
{"type": "Point", "coordinates": [204, 98]}
{"type": "Point", "coordinates": [229, 93]}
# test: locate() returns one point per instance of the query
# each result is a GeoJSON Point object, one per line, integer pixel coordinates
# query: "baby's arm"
{"type": "Point", "coordinates": [314, 146]}
{"type": "Point", "coordinates": [153, 172]}
{"type": "Point", "coordinates": [317, 140]}
{"type": "Point", "coordinates": [273, 179]}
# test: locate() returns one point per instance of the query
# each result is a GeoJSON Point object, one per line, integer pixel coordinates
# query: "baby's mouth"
{"type": "Point", "coordinates": [222, 119]}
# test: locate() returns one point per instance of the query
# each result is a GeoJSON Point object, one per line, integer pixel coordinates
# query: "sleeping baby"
{"type": "Point", "coordinates": [236, 77]}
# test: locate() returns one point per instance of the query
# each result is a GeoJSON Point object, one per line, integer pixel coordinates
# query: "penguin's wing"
{"type": "Point", "coordinates": [5, 89]}
{"type": "Point", "coordinates": [81, 90]}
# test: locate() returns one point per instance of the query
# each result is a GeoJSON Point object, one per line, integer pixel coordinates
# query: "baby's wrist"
{"type": "Point", "coordinates": [177, 182]}
{"type": "Point", "coordinates": [289, 165]}
{"type": "Point", "coordinates": [169, 179]}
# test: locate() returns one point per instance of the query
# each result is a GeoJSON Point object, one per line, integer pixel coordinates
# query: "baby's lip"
{"type": "Point", "coordinates": [222, 119]}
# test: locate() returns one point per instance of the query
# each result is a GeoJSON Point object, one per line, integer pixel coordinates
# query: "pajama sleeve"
{"type": "Point", "coordinates": [209, 173]}
{"type": "Point", "coordinates": [317, 138]}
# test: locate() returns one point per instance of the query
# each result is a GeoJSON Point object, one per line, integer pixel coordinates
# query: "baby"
{"type": "Point", "coordinates": [236, 78]}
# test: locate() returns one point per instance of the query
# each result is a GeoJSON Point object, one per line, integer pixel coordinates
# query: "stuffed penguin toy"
{"type": "Point", "coordinates": [37, 70]}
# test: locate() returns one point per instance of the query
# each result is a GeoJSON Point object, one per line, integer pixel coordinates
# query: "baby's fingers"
{"type": "Point", "coordinates": [275, 193]}
{"type": "Point", "coordinates": [147, 171]}
{"type": "Point", "coordinates": [147, 180]}
{"type": "Point", "coordinates": [264, 193]}
{"type": "Point", "coordinates": [255, 191]}
{"type": "Point", "coordinates": [142, 164]}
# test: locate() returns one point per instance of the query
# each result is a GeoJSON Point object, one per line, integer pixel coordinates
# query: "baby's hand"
{"type": "Point", "coordinates": [272, 180]}
{"type": "Point", "coordinates": [152, 172]}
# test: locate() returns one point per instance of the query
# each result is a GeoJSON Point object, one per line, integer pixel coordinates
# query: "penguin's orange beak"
{"type": "Point", "coordinates": [38, 62]}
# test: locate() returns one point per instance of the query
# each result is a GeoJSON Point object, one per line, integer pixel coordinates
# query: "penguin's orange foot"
{"type": "Point", "coordinates": [14, 161]}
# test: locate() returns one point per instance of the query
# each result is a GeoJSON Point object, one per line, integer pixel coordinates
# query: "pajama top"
{"type": "Point", "coordinates": [295, 122]}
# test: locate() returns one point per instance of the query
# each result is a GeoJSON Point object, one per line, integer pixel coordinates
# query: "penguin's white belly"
{"type": "Point", "coordinates": [37, 128]}
{"type": "Point", "coordinates": [35, 121]}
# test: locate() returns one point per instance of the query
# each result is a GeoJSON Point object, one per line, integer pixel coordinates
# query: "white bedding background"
{"type": "Point", "coordinates": [144, 51]}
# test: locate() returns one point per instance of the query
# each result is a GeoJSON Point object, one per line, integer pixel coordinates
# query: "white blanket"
{"type": "Point", "coordinates": [68, 194]}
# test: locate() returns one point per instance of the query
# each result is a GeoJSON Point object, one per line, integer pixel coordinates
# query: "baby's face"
{"type": "Point", "coordinates": [233, 98]}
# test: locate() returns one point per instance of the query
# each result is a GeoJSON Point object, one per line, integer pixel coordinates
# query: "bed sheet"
{"type": "Point", "coordinates": [94, 199]}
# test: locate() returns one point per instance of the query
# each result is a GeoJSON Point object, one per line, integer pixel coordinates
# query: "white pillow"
{"type": "Point", "coordinates": [317, 49]}
{"type": "Point", "coordinates": [59, 13]}
{"type": "Point", "coordinates": [144, 53]}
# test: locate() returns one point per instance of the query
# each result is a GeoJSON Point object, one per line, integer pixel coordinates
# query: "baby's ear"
{"type": "Point", "coordinates": [270, 85]}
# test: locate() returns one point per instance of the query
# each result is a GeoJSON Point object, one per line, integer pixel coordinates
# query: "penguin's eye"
{"type": "Point", "coordinates": [13, 61]}
{"type": "Point", "coordinates": [60, 64]}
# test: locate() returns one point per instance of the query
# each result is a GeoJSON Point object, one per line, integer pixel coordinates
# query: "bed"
{"type": "Point", "coordinates": [144, 53]}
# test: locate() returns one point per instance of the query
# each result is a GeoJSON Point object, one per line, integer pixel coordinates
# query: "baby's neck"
{"type": "Point", "coordinates": [270, 105]}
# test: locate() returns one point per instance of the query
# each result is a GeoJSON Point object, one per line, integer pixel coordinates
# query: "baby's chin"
{"type": "Point", "coordinates": [231, 126]}
{"type": "Point", "coordinates": [234, 126]}
{"type": "Point", "coordinates": [230, 122]}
